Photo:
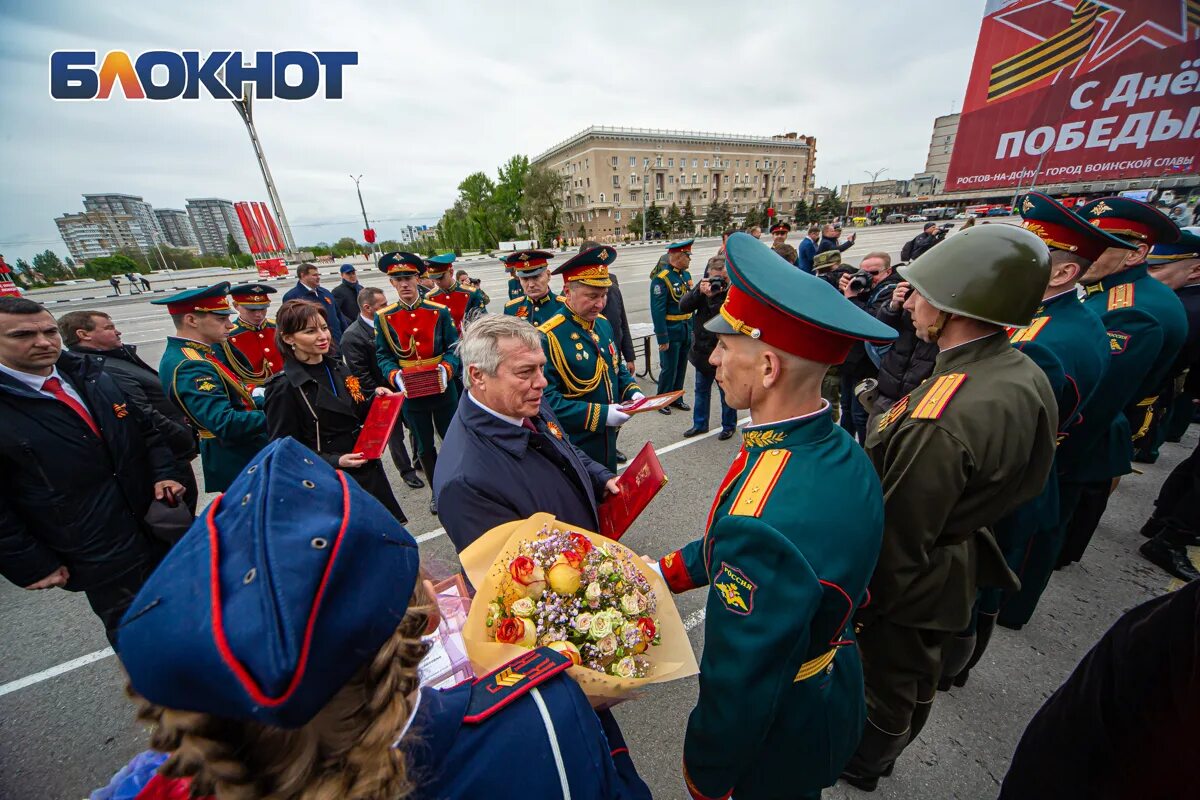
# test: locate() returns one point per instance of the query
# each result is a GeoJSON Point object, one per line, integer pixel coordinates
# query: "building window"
{"type": "Point", "coordinates": [616, 197]}
{"type": "Point", "coordinates": [589, 181]}
{"type": "Point", "coordinates": [706, 163]}
{"type": "Point", "coordinates": [670, 179]}
{"type": "Point", "coordinates": [616, 181]}
{"type": "Point", "coordinates": [617, 215]}
{"type": "Point", "coordinates": [670, 162]}
{"type": "Point", "coordinates": [614, 161]}
{"type": "Point", "coordinates": [693, 163]}
{"type": "Point", "coordinates": [658, 161]}
{"type": "Point", "coordinates": [756, 163]}
{"type": "Point", "coordinates": [645, 161]}
{"type": "Point", "coordinates": [633, 161]}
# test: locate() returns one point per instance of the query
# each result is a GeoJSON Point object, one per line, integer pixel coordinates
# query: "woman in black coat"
{"type": "Point", "coordinates": [316, 400]}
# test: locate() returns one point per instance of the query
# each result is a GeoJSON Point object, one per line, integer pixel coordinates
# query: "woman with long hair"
{"type": "Point", "coordinates": [318, 402]}
{"type": "Point", "coordinates": [290, 671]}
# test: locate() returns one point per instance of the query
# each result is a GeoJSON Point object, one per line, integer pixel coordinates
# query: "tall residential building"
{"type": "Point", "coordinates": [177, 228]}
{"type": "Point", "coordinates": [143, 225]}
{"type": "Point", "coordinates": [606, 170]}
{"type": "Point", "coordinates": [93, 234]}
{"type": "Point", "coordinates": [214, 220]}
{"type": "Point", "coordinates": [937, 162]}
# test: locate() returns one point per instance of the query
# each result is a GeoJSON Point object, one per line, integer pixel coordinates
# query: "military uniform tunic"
{"type": "Point", "coordinates": [538, 311]}
{"type": "Point", "coordinates": [252, 353]}
{"type": "Point", "coordinates": [232, 428]}
{"type": "Point", "coordinates": [781, 705]}
{"type": "Point", "coordinates": [585, 374]}
{"type": "Point", "coordinates": [672, 327]}
{"type": "Point", "coordinates": [464, 303]}
{"type": "Point", "coordinates": [515, 289]}
{"type": "Point", "coordinates": [966, 447]}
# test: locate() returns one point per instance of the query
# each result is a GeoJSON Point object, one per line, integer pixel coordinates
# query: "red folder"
{"type": "Point", "coordinates": [650, 403]}
{"type": "Point", "coordinates": [373, 438]}
{"type": "Point", "coordinates": [641, 480]}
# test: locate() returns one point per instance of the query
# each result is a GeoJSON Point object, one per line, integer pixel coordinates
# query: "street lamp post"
{"type": "Point", "coordinates": [366, 222]}
{"type": "Point", "coordinates": [871, 186]}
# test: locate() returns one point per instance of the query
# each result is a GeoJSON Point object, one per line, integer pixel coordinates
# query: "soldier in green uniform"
{"type": "Point", "coordinates": [1070, 345]}
{"type": "Point", "coordinates": [965, 448]}
{"type": "Point", "coordinates": [672, 328]}
{"type": "Point", "coordinates": [515, 289]}
{"type": "Point", "coordinates": [587, 377]}
{"type": "Point", "coordinates": [464, 302]}
{"type": "Point", "coordinates": [197, 377]}
{"type": "Point", "coordinates": [781, 705]}
{"type": "Point", "coordinates": [538, 303]}
{"type": "Point", "coordinates": [1146, 327]}
{"type": "Point", "coordinates": [416, 336]}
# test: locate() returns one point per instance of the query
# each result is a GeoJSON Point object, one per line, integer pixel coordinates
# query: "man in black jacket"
{"type": "Point", "coordinates": [95, 333]}
{"type": "Point", "coordinates": [869, 292]}
{"type": "Point", "coordinates": [81, 467]}
{"type": "Point", "coordinates": [358, 348]}
{"type": "Point", "coordinates": [705, 300]}
{"type": "Point", "coordinates": [505, 456]}
{"type": "Point", "coordinates": [345, 294]}
{"type": "Point", "coordinates": [929, 236]}
{"type": "Point", "coordinates": [829, 240]}
{"type": "Point", "coordinates": [909, 360]}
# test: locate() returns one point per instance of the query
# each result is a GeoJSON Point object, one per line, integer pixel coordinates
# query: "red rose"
{"type": "Point", "coordinates": [510, 630]}
{"type": "Point", "coordinates": [521, 569]}
{"type": "Point", "coordinates": [573, 558]}
{"type": "Point", "coordinates": [646, 626]}
{"type": "Point", "coordinates": [581, 544]}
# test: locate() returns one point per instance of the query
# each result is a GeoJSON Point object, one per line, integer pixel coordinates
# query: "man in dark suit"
{"type": "Point", "coordinates": [345, 294]}
{"type": "Point", "coordinates": [308, 287]}
{"type": "Point", "coordinates": [95, 333]}
{"type": "Point", "coordinates": [505, 456]}
{"type": "Point", "coordinates": [81, 466]}
{"type": "Point", "coordinates": [358, 348]}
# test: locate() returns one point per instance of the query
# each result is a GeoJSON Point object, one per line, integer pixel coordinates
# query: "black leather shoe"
{"type": "Point", "coordinates": [682, 406]}
{"type": "Point", "coordinates": [1171, 557]}
{"type": "Point", "coordinates": [693, 431]}
{"type": "Point", "coordinates": [433, 506]}
{"type": "Point", "coordinates": [621, 457]}
{"type": "Point", "coordinates": [666, 411]}
{"type": "Point", "coordinates": [1152, 528]}
{"type": "Point", "coordinates": [725, 434]}
{"type": "Point", "coordinates": [413, 481]}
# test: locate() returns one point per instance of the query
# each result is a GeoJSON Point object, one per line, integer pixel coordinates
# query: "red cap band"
{"type": "Point", "coordinates": [778, 329]}
{"type": "Point", "coordinates": [203, 304]}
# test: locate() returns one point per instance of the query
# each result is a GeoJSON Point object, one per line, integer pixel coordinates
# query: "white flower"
{"type": "Point", "coordinates": [583, 622]}
{"type": "Point", "coordinates": [601, 626]}
{"type": "Point", "coordinates": [593, 592]}
{"type": "Point", "coordinates": [625, 668]}
{"type": "Point", "coordinates": [607, 568]}
{"type": "Point", "coordinates": [608, 645]}
{"type": "Point", "coordinates": [522, 607]}
{"type": "Point", "coordinates": [629, 603]}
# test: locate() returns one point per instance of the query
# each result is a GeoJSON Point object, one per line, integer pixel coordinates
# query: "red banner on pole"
{"type": "Point", "coordinates": [369, 235]}
{"type": "Point", "coordinates": [770, 212]}
{"type": "Point", "coordinates": [273, 229]}
{"type": "Point", "coordinates": [260, 225]}
{"type": "Point", "coordinates": [243, 213]}
{"type": "Point", "coordinates": [1079, 91]}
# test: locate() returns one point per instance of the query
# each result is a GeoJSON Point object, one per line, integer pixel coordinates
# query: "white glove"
{"type": "Point", "coordinates": [399, 382]}
{"type": "Point", "coordinates": [616, 417]}
{"type": "Point", "coordinates": [443, 376]}
{"type": "Point", "coordinates": [637, 396]}
{"type": "Point", "coordinates": [258, 393]}
{"type": "Point", "coordinates": [657, 567]}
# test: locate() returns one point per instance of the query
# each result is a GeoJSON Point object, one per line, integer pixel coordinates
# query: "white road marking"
{"type": "Point", "coordinates": [692, 621]}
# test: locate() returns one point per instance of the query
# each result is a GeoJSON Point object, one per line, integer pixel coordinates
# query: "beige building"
{"type": "Point", "coordinates": [607, 172]}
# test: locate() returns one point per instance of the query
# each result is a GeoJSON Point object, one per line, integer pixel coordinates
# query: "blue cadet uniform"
{"type": "Point", "coordinates": [781, 705]}
{"type": "Point", "coordinates": [530, 264]}
{"type": "Point", "coordinates": [1146, 327]}
{"type": "Point", "coordinates": [302, 596]}
{"type": "Point", "coordinates": [584, 368]}
{"type": "Point", "coordinates": [201, 380]}
{"type": "Point", "coordinates": [672, 327]}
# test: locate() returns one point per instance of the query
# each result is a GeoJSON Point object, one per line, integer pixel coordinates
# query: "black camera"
{"type": "Point", "coordinates": [717, 284]}
{"type": "Point", "coordinates": [860, 281]}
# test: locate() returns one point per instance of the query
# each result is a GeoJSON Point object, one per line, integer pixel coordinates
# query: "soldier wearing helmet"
{"type": "Point", "coordinates": [962, 450]}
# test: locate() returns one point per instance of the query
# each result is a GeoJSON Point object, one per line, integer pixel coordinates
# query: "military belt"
{"type": "Point", "coordinates": [678, 317]}
{"type": "Point", "coordinates": [420, 362]}
{"type": "Point", "coordinates": [815, 666]}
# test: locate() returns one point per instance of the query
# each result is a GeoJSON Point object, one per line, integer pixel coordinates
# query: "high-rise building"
{"type": "Point", "coordinates": [93, 234]}
{"type": "Point", "coordinates": [142, 224]}
{"type": "Point", "coordinates": [606, 170]}
{"type": "Point", "coordinates": [177, 228]}
{"type": "Point", "coordinates": [214, 221]}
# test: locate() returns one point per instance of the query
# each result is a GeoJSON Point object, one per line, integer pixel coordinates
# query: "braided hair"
{"type": "Point", "coordinates": [345, 752]}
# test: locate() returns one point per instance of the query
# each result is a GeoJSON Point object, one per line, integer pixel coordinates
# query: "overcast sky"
{"type": "Point", "coordinates": [444, 89]}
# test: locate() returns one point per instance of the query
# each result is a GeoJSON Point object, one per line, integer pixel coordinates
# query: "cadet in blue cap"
{"type": "Point", "coordinates": [587, 377]}
{"type": "Point", "coordinates": [276, 650]}
{"type": "Point", "coordinates": [1146, 327]}
{"type": "Point", "coordinates": [537, 303]}
{"type": "Point", "coordinates": [781, 688]}
{"type": "Point", "coordinates": [198, 377]}
{"type": "Point", "coordinates": [415, 341]}
{"type": "Point", "coordinates": [672, 327]}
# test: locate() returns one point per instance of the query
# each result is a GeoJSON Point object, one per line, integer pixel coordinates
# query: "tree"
{"type": "Point", "coordinates": [344, 246]}
{"type": "Point", "coordinates": [477, 196]}
{"type": "Point", "coordinates": [674, 221]}
{"type": "Point", "coordinates": [22, 266]}
{"type": "Point", "coordinates": [833, 206]}
{"type": "Point", "coordinates": [116, 264]}
{"type": "Point", "coordinates": [582, 231]}
{"type": "Point", "coordinates": [541, 205]}
{"type": "Point", "coordinates": [510, 189]}
{"type": "Point", "coordinates": [654, 219]}
{"type": "Point", "coordinates": [801, 213]}
{"type": "Point", "coordinates": [635, 224]}
{"type": "Point", "coordinates": [389, 246]}
{"type": "Point", "coordinates": [689, 217]}
{"type": "Point", "coordinates": [718, 219]}
{"type": "Point", "coordinates": [49, 264]}
{"type": "Point", "coordinates": [231, 245]}
{"type": "Point", "coordinates": [753, 217]}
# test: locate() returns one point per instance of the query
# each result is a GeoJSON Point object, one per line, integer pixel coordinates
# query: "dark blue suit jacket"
{"type": "Point", "coordinates": [486, 475]}
{"type": "Point", "coordinates": [322, 296]}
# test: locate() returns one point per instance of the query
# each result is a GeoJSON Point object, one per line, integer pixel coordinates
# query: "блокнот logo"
{"type": "Point", "coordinates": [191, 75]}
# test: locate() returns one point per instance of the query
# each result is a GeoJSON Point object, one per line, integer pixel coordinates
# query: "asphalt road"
{"type": "Point", "coordinates": [65, 725]}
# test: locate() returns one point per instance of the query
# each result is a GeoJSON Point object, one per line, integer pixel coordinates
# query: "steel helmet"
{"type": "Point", "coordinates": [994, 273]}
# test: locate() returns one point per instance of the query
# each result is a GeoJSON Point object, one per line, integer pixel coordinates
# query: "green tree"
{"type": "Point", "coordinates": [22, 267]}
{"type": "Point", "coordinates": [510, 190]}
{"type": "Point", "coordinates": [654, 219]}
{"type": "Point", "coordinates": [343, 247]}
{"type": "Point", "coordinates": [801, 215]}
{"type": "Point", "coordinates": [689, 217]}
{"type": "Point", "coordinates": [832, 207]}
{"type": "Point", "coordinates": [49, 264]}
{"type": "Point", "coordinates": [673, 223]}
{"type": "Point", "coordinates": [753, 217]}
{"type": "Point", "coordinates": [231, 245]}
{"type": "Point", "coordinates": [582, 232]}
{"type": "Point", "coordinates": [635, 224]}
{"type": "Point", "coordinates": [718, 219]}
{"type": "Point", "coordinates": [477, 196]}
{"type": "Point", "coordinates": [541, 205]}
{"type": "Point", "coordinates": [389, 246]}
{"type": "Point", "coordinates": [104, 266]}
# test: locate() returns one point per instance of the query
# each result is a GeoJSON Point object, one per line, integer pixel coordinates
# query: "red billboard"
{"type": "Point", "coordinates": [1080, 91]}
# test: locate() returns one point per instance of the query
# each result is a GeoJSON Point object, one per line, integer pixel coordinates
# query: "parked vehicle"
{"type": "Point", "coordinates": [999, 211]}
{"type": "Point", "coordinates": [915, 218]}
{"type": "Point", "coordinates": [893, 218]}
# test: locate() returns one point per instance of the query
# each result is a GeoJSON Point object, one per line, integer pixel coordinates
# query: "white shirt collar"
{"type": "Point", "coordinates": [1060, 294]}
{"type": "Point", "coordinates": [32, 381]}
{"type": "Point", "coordinates": [510, 420]}
{"type": "Point", "coordinates": [369, 320]}
{"type": "Point", "coordinates": [969, 341]}
{"type": "Point", "coordinates": [824, 407]}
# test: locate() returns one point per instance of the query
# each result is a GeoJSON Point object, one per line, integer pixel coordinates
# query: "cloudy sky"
{"type": "Point", "coordinates": [445, 89]}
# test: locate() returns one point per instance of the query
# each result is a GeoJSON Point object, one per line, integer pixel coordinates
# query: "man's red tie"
{"type": "Point", "coordinates": [54, 387]}
{"type": "Point", "coordinates": [527, 423]}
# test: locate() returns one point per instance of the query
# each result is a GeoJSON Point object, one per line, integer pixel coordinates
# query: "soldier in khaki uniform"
{"type": "Point", "coordinates": [971, 443]}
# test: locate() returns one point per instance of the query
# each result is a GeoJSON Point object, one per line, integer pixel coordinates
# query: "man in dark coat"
{"type": "Point", "coordinates": [358, 348]}
{"type": "Point", "coordinates": [829, 240]}
{"type": "Point", "coordinates": [94, 333]}
{"type": "Point", "coordinates": [81, 466]}
{"type": "Point", "coordinates": [308, 287]}
{"type": "Point", "coordinates": [345, 294]}
{"type": "Point", "coordinates": [909, 360]}
{"type": "Point", "coordinates": [870, 293]}
{"type": "Point", "coordinates": [705, 300]}
{"type": "Point", "coordinates": [505, 456]}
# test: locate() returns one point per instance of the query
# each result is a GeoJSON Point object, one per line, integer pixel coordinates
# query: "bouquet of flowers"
{"type": "Point", "coordinates": [544, 584]}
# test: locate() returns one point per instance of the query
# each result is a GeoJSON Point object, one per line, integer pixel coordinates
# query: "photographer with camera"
{"type": "Point", "coordinates": [475, 283]}
{"type": "Point", "coordinates": [930, 235]}
{"type": "Point", "coordinates": [869, 288]}
{"type": "Point", "coordinates": [705, 299]}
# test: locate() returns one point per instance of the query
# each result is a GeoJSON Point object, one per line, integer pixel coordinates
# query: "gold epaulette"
{"type": "Point", "coordinates": [515, 300]}
{"type": "Point", "coordinates": [552, 323]}
{"type": "Point", "coordinates": [430, 303]}
{"type": "Point", "coordinates": [192, 354]}
{"type": "Point", "coordinates": [1028, 334]}
{"type": "Point", "coordinates": [752, 498]}
{"type": "Point", "coordinates": [388, 309]}
{"type": "Point", "coordinates": [663, 274]}
{"type": "Point", "coordinates": [1120, 296]}
{"type": "Point", "coordinates": [938, 397]}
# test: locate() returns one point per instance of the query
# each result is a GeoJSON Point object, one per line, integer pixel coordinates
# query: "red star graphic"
{"type": "Point", "coordinates": [1040, 20]}
{"type": "Point", "coordinates": [1147, 24]}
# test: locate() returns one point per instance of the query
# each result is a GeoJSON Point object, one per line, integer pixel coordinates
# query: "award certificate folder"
{"type": "Point", "coordinates": [373, 438]}
{"type": "Point", "coordinates": [650, 403]}
{"type": "Point", "coordinates": [641, 480]}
